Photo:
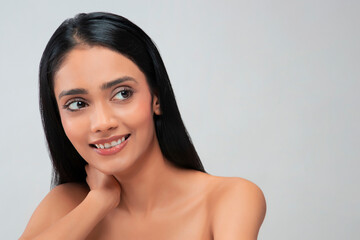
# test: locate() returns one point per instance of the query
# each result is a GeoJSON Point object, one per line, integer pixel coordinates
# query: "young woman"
{"type": "Point", "coordinates": [124, 165]}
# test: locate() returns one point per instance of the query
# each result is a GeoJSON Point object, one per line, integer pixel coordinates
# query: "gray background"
{"type": "Point", "coordinates": [269, 91]}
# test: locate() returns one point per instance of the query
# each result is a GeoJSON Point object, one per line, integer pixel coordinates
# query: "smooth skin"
{"type": "Point", "coordinates": [135, 193]}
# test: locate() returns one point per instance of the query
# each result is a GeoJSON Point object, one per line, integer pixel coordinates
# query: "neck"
{"type": "Point", "coordinates": [151, 184]}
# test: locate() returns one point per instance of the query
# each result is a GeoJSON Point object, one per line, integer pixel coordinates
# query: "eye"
{"type": "Point", "coordinates": [123, 93]}
{"type": "Point", "coordinates": [75, 105]}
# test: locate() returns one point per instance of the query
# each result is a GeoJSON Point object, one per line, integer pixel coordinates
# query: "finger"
{"type": "Point", "coordinates": [87, 168]}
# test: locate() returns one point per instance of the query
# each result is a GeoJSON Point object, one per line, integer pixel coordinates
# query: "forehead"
{"type": "Point", "coordinates": [93, 66]}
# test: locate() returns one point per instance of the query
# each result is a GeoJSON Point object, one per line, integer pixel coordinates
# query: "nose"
{"type": "Point", "coordinates": [103, 119]}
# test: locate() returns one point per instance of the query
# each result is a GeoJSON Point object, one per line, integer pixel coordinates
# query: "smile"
{"type": "Point", "coordinates": [112, 146]}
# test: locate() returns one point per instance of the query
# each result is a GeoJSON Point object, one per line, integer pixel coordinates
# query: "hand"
{"type": "Point", "coordinates": [105, 186]}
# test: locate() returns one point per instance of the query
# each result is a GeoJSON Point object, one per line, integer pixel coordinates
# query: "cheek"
{"type": "Point", "coordinates": [74, 129]}
{"type": "Point", "coordinates": [138, 117]}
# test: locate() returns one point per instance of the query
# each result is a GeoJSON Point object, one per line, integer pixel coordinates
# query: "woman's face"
{"type": "Point", "coordinates": [106, 108]}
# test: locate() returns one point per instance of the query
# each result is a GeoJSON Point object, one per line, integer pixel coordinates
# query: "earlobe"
{"type": "Point", "coordinates": [156, 106]}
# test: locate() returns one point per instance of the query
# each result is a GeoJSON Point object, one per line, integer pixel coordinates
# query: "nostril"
{"type": "Point", "coordinates": [105, 126]}
{"type": "Point", "coordinates": [103, 119]}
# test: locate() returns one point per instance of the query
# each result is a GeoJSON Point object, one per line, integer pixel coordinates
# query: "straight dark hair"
{"type": "Point", "coordinates": [119, 34]}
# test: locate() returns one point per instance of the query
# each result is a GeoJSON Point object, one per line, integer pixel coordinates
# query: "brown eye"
{"type": "Point", "coordinates": [123, 94]}
{"type": "Point", "coordinates": [76, 105]}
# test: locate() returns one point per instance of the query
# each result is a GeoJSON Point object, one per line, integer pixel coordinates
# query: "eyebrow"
{"type": "Point", "coordinates": [73, 92]}
{"type": "Point", "coordinates": [116, 81]}
{"type": "Point", "coordinates": [104, 86]}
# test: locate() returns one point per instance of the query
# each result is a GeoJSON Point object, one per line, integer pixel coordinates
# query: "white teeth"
{"type": "Point", "coordinates": [110, 145]}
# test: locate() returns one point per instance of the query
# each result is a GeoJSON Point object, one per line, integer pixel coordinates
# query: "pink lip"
{"type": "Point", "coordinates": [113, 150]}
{"type": "Point", "coordinates": [109, 140]}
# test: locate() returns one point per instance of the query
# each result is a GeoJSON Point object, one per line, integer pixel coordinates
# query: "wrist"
{"type": "Point", "coordinates": [102, 201]}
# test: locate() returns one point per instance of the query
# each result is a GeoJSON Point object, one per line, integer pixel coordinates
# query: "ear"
{"type": "Point", "coordinates": [156, 105]}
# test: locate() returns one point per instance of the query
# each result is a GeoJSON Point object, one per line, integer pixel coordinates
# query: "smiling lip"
{"type": "Point", "coordinates": [109, 140]}
{"type": "Point", "coordinates": [103, 147]}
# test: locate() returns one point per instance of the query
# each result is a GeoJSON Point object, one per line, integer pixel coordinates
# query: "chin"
{"type": "Point", "coordinates": [115, 166]}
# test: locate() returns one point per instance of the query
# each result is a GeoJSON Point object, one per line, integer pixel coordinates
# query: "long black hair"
{"type": "Point", "coordinates": [119, 34]}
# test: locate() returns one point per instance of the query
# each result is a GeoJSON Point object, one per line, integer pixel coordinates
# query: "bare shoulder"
{"type": "Point", "coordinates": [56, 204]}
{"type": "Point", "coordinates": [63, 198]}
{"type": "Point", "coordinates": [238, 208]}
{"type": "Point", "coordinates": [230, 187]}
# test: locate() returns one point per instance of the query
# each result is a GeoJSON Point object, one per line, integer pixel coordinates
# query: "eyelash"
{"type": "Point", "coordinates": [68, 103]}
{"type": "Point", "coordinates": [125, 88]}
{"type": "Point", "coordinates": [120, 89]}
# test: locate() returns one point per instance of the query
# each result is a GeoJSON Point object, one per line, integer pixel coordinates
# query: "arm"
{"type": "Point", "coordinates": [239, 211]}
{"type": "Point", "coordinates": [65, 213]}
